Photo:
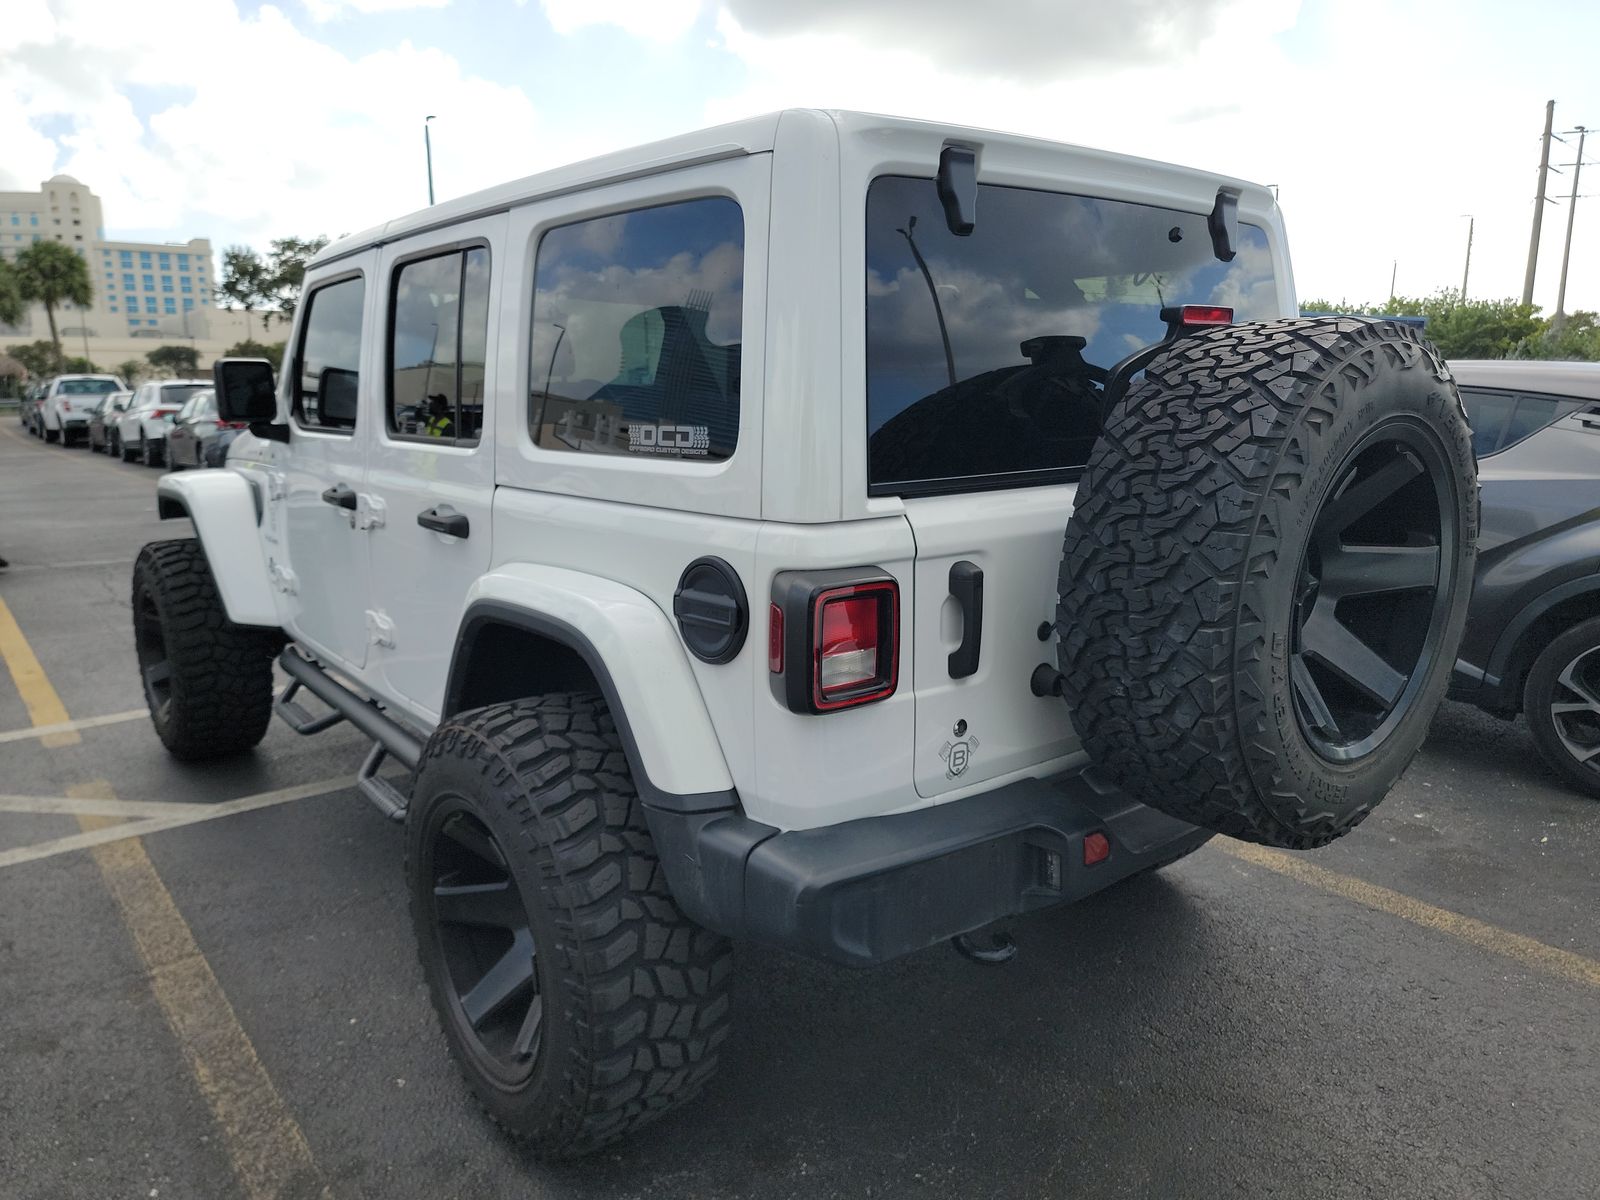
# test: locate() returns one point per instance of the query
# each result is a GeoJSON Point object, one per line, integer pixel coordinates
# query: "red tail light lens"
{"type": "Point", "coordinates": [233, 424]}
{"type": "Point", "coordinates": [775, 639]}
{"type": "Point", "coordinates": [1207, 314]}
{"type": "Point", "coordinates": [855, 638]}
{"type": "Point", "coordinates": [66, 406]}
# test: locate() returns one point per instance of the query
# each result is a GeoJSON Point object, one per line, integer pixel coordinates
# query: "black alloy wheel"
{"type": "Point", "coordinates": [1561, 699]}
{"type": "Point", "coordinates": [150, 644]}
{"type": "Point", "coordinates": [485, 940]}
{"type": "Point", "coordinates": [1370, 613]}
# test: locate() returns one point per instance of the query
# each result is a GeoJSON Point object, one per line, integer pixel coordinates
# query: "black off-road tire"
{"type": "Point", "coordinates": [634, 995]}
{"type": "Point", "coordinates": [1184, 565]}
{"type": "Point", "coordinates": [1578, 647]}
{"type": "Point", "coordinates": [207, 681]}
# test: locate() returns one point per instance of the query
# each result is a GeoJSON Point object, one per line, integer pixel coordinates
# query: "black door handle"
{"type": "Point", "coordinates": [966, 585]}
{"type": "Point", "coordinates": [340, 495]}
{"type": "Point", "coordinates": [455, 524]}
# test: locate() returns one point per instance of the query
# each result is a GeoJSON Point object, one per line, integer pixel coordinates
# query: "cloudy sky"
{"type": "Point", "coordinates": [1382, 121]}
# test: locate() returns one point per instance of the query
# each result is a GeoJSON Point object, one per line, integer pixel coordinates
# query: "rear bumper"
{"type": "Point", "coordinates": [871, 890]}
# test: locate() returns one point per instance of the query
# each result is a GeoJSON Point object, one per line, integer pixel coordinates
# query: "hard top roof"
{"type": "Point", "coordinates": [755, 135]}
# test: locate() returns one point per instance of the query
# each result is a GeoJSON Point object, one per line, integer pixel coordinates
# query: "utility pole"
{"type": "Point", "coordinates": [1538, 203]}
{"type": "Point", "coordinates": [1471, 222]}
{"type": "Point", "coordinates": [1393, 275]}
{"type": "Point", "coordinates": [1572, 211]}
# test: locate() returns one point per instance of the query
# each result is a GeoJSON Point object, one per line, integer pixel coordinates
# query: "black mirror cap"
{"type": "Point", "coordinates": [958, 189]}
{"type": "Point", "coordinates": [246, 389]}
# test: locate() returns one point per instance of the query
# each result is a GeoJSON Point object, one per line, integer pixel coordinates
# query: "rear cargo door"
{"type": "Point", "coordinates": [985, 592]}
{"type": "Point", "coordinates": [987, 357]}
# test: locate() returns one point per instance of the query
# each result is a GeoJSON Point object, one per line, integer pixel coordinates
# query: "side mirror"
{"type": "Point", "coordinates": [245, 389]}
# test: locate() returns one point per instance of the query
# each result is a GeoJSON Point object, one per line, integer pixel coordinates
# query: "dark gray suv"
{"type": "Point", "coordinates": [1533, 634]}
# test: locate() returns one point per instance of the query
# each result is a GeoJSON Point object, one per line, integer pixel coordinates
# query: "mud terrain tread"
{"type": "Point", "coordinates": [1172, 520]}
{"type": "Point", "coordinates": [645, 990]}
{"type": "Point", "coordinates": [221, 672]}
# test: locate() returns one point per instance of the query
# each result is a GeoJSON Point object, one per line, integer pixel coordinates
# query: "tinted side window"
{"type": "Point", "coordinates": [1487, 413]}
{"type": "Point", "coordinates": [328, 364]}
{"type": "Point", "coordinates": [1533, 413]}
{"type": "Point", "coordinates": [438, 333]}
{"type": "Point", "coordinates": [637, 321]}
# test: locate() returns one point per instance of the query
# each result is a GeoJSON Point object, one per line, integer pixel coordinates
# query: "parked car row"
{"type": "Point", "coordinates": [167, 422]}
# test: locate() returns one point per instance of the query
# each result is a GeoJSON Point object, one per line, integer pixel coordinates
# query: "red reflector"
{"type": "Point", "coordinates": [855, 644]}
{"type": "Point", "coordinates": [1096, 848]}
{"type": "Point", "coordinates": [775, 639]}
{"type": "Point", "coordinates": [233, 424]}
{"type": "Point", "coordinates": [1207, 314]}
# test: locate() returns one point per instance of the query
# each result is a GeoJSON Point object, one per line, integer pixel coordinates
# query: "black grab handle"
{"type": "Point", "coordinates": [966, 585]}
{"type": "Point", "coordinates": [340, 495]}
{"type": "Point", "coordinates": [455, 524]}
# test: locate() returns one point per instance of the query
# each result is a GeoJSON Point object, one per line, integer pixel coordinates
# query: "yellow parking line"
{"type": "Point", "coordinates": [44, 706]}
{"type": "Point", "coordinates": [269, 1153]}
{"type": "Point", "coordinates": [1525, 950]}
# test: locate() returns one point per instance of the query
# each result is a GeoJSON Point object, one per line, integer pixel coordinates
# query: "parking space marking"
{"type": "Point", "coordinates": [1526, 950]}
{"type": "Point", "coordinates": [68, 806]}
{"type": "Point", "coordinates": [68, 566]}
{"type": "Point", "coordinates": [44, 706]}
{"type": "Point", "coordinates": [192, 814]}
{"type": "Point", "coordinates": [43, 731]}
{"type": "Point", "coordinates": [269, 1153]}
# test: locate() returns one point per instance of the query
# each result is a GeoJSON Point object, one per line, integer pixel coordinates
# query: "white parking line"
{"type": "Point", "coordinates": [67, 566]}
{"type": "Point", "coordinates": [70, 806]}
{"type": "Point", "coordinates": [22, 735]}
{"type": "Point", "coordinates": [197, 813]}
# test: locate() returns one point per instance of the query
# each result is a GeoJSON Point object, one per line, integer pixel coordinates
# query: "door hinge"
{"type": "Point", "coordinates": [370, 511]}
{"type": "Point", "coordinates": [277, 485]}
{"type": "Point", "coordinates": [380, 629]}
{"type": "Point", "coordinates": [282, 577]}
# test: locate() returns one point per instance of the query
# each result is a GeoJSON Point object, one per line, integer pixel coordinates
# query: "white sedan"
{"type": "Point", "coordinates": [140, 431]}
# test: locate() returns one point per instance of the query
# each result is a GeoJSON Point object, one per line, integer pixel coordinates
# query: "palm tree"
{"type": "Point", "coordinates": [52, 274]}
{"type": "Point", "coordinates": [12, 305]}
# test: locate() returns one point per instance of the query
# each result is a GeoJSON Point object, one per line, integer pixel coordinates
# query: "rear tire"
{"type": "Point", "coordinates": [207, 681]}
{"type": "Point", "coordinates": [1562, 703]}
{"type": "Point", "coordinates": [51, 435]}
{"type": "Point", "coordinates": [618, 1016]}
{"type": "Point", "coordinates": [1259, 478]}
{"type": "Point", "coordinates": [126, 454]}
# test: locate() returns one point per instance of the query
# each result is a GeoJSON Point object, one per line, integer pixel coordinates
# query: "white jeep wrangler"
{"type": "Point", "coordinates": [838, 532]}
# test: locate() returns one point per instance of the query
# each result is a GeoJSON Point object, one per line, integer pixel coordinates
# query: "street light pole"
{"type": "Point", "coordinates": [1471, 222]}
{"type": "Point", "coordinates": [427, 143]}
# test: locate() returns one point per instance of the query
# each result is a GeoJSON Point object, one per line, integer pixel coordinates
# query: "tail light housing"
{"type": "Point", "coordinates": [834, 638]}
{"type": "Point", "coordinates": [66, 405]}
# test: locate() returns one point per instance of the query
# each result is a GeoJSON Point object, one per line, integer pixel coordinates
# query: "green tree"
{"type": "Point", "coordinates": [1460, 329]}
{"type": "Point", "coordinates": [12, 305]}
{"type": "Point", "coordinates": [1578, 338]}
{"type": "Point", "coordinates": [246, 281]}
{"type": "Point", "coordinates": [78, 365]}
{"type": "Point", "coordinates": [271, 351]}
{"type": "Point", "coordinates": [179, 360]}
{"type": "Point", "coordinates": [52, 274]}
{"type": "Point", "coordinates": [38, 357]}
{"type": "Point", "coordinates": [287, 274]}
{"type": "Point", "coordinates": [132, 371]}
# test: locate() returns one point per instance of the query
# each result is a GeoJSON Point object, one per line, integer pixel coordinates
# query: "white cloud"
{"type": "Point", "coordinates": [336, 149]}
{"type": "Point", "coordinates": [656, 20]}
{"type": "Point", "coordinates": [328, 10]}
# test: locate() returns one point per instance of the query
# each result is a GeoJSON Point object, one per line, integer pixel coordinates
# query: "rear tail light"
{"type": "Point", "coordinates": [233, 424]}
{"type": "Point", "coordinates": [66, 406]}
{"type": "Point", "coordinates": [1206, 314]}
{"type": "Point", "coordinates": [834, 639]}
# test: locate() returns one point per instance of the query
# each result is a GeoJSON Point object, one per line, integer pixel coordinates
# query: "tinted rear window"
{"type": "Point", "coordinates": [87, 387]}
{"type": "Point", "coordinates": [1036, 305]}
{"type": "Point", "coordinates": [177, 394]}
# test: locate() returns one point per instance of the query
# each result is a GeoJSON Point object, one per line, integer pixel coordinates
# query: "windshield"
{"type": "Point", "coordinates": [87, 387]}
{"type": "Point", "coordinates": [179, 393]}
{"type": "Point", "coordinates": [987, 354]}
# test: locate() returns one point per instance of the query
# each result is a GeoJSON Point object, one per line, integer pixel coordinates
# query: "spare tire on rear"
{"type": "Point", "coordinates": [1266, 574]}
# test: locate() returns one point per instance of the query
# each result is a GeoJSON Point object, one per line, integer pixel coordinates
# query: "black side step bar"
{"type": "Point", "coordinates": [390, 738]}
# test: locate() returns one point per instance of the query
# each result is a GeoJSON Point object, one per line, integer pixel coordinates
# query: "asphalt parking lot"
{"type": "Point", "coordinates": [231, 1006]}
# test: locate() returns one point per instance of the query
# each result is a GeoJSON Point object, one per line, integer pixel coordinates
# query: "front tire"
{"type": "Point", "coordinates": [577, 1000]}
{"type": "Point", "coordinates": [207, 681]}
{"type": "Point", "coordinates": [1562, 703]}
